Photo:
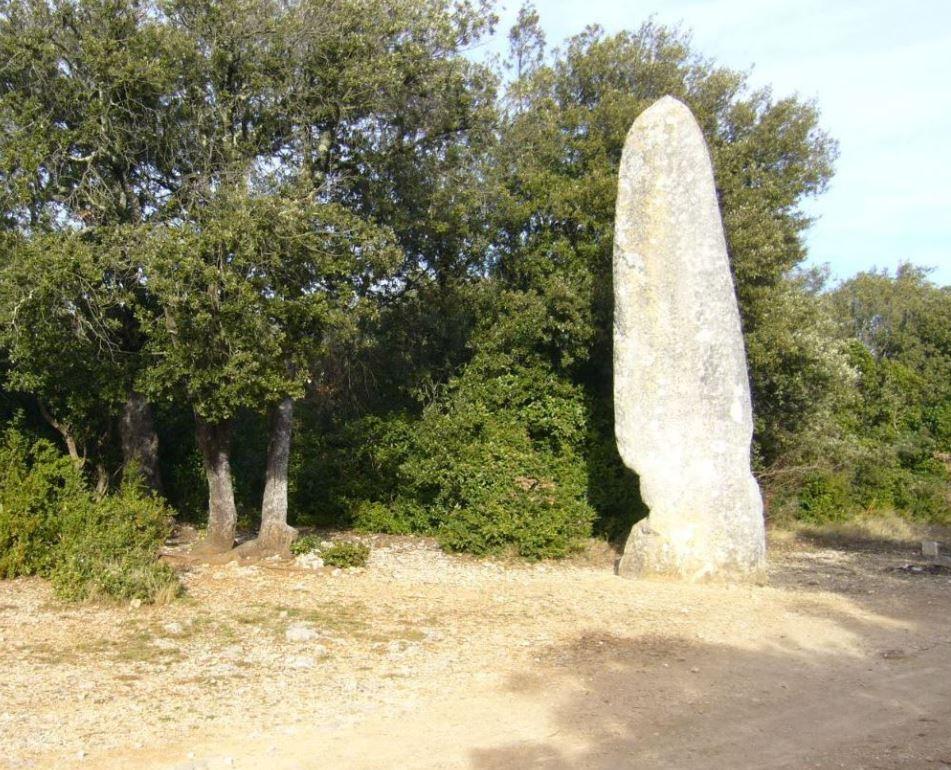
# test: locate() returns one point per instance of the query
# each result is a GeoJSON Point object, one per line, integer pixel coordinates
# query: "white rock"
{"type": "Point", "coordinates": [301, 662]}
{"type": "Point", "coordinates": [300, 633]}
{"type": "Point", "coordinates": [683, 417]}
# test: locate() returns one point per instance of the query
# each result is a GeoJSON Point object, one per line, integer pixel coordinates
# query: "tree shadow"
{"type": "Point", "coordinates": [670, 701]}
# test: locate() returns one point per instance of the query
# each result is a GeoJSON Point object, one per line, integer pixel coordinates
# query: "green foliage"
{"type": "Point", "coordinates": [896, 423]}
{"type": "Point", "coordinates": [825, 497]}
{"type": "Point", "coordinates": [395, 518]}
{"type": "Point", "coordinates": [36, 484]}
{"type": "Point", "coordinates": [305, 544]}
{"type": "Point", "coordinates": [496, 462]}
{"type": "Point", "coordinates": [345, 554]}
{"type": "Point", "coordinates": [108, 548]}
{"type": "Point", "coordinates": [89, 547]}
{"type": "Point", "coordinates": [225, 204]}
{"type": "Point", "coordinates": [64, 316]}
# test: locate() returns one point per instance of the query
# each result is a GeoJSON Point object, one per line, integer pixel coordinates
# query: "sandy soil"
{"type": "Point", "coordinates": [423, 660]}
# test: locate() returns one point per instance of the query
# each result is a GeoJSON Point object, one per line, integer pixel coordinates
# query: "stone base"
{"type": "Point", "coordinates": [690, 556]}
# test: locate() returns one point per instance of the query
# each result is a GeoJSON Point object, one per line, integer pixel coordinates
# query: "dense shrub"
{"type": "Point", "coordinates": [825, 496]}
{"type": "Point", "coordinates": [36, 483]}
{"type": "Point", "coordinates": [107, 548]}
{"type": "Point", "coordinates": [89, 548]}
{"type": "Point", "coordinates": [345, 554]}
{"type": "Point", "coordinates": [496, 462]}
{"type": "Point", "coordinates": [305, 544]}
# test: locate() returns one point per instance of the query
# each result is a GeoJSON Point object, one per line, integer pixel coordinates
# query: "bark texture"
{"type": "Point", "coordinates": [140, 441]}
{"type": "Point", "coordinates": [275, 533]}
{"type": "Point", "coordinates": [214, 443]}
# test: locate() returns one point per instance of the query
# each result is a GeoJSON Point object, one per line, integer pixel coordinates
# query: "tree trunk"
{"type": "Point", "coordinates": [275, 534]}
{"type": "Point", "coordinates": [79, 460]}
{"type": "Point", "coordinates": [102, 481]}
{"type": "Point", "coordinates": [214, 443]}
{"type": "Point", "coordinates": [139, 441]}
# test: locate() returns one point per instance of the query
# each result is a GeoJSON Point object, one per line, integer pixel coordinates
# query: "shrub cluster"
{"type": "Point", "coordinates": [52, 525]}
{"type": "Point", "coordinates": [344, 553]}
{"type": "Point", "coordinates": [496, 463]}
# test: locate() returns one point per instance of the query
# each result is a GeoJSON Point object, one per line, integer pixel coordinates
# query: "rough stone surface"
{"type": "Point", "coordinates": [681, 388]}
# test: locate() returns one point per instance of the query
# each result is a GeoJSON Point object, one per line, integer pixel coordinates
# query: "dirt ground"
{"type": "Point", "coordinates": [424, 660]}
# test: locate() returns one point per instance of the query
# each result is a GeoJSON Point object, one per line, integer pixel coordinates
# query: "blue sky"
{"type": "Point", "coordinates": [880, 71]}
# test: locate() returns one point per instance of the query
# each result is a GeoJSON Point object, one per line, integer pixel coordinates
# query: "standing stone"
{"type": "Point", "coordinates": [683, 416]}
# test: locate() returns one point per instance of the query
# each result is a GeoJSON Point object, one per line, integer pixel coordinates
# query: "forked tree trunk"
{"type": "Point", "coordinates": [140, 441]}
{"type": "Point", "coordinates": [79, 460]}
{"type": "Point", "coordinates": [214, 443]}
{"type": "Point", "coordinates": [275, 534]}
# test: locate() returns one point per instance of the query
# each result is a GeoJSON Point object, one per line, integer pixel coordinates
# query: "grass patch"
{"type": "Point", "coordinates": [873, 528]}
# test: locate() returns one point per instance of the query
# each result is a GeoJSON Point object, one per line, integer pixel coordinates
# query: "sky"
{"type": "Point", "coordinates": [880, 72]}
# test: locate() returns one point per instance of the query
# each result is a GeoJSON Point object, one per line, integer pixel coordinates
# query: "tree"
{"type": "Point", "coordinates": [87, 129]}
{"type": "Point", "coordinates": [332, 102]}
{"type": "Point", "coordinates": [248, 297]}
{"type": "Point", "coordinates": [62, 322]}
{"type": "Point", "coordinates": [902, 324]}
{"type": "Point", "coordinates": [567, 121]}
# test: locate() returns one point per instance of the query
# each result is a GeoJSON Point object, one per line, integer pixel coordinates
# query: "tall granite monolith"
{"type": "Point", "coordinates": [683, 417]}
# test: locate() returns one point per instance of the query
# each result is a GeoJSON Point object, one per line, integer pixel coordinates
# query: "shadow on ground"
{"type": "Point", "coordinates": [675, 702]}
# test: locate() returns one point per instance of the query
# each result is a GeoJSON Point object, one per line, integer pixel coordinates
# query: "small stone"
{"type": "Point", "coordinates": [695, 670]}
{"type": "Point", "coordinates": [300, 633]}
{"type": "Point", "coordinates": [930, 548]}
{"type": "Point", "coordinates": [173, 628]}
{"type": "Point", "coordinates": [300, 663]}
{"type": "Point", "coordinates": [310, 561]}
{"type": "Point", "coordinates": [135, 604]}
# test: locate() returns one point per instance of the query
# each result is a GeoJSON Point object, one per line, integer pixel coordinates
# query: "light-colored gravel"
{"type": "Point", "coordinates": [271, 649]}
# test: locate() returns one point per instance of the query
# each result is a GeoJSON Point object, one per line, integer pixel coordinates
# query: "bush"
{"type": "Point", "coordinates": [346, 554]}
{"type": "Point", "coordinates": [498, 462]}
{"type": "Point", "coordinates": [396, 519]}
{"type": "Point", "coordinates": [108, 548]}
{"type": "Point", "coordinates": [824, 497]}
{"type": "Point", "coordinates": [36, 483]}
{"type": "Point", "coordinates": [305, 544]}
{"type": "Point", "coordinates": [342, 554]}
{"type": "Point", "coordinates": [52, 525]}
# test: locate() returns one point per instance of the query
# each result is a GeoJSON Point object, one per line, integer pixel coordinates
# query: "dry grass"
{"type": "Point", "coordinates": [872, 528]}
